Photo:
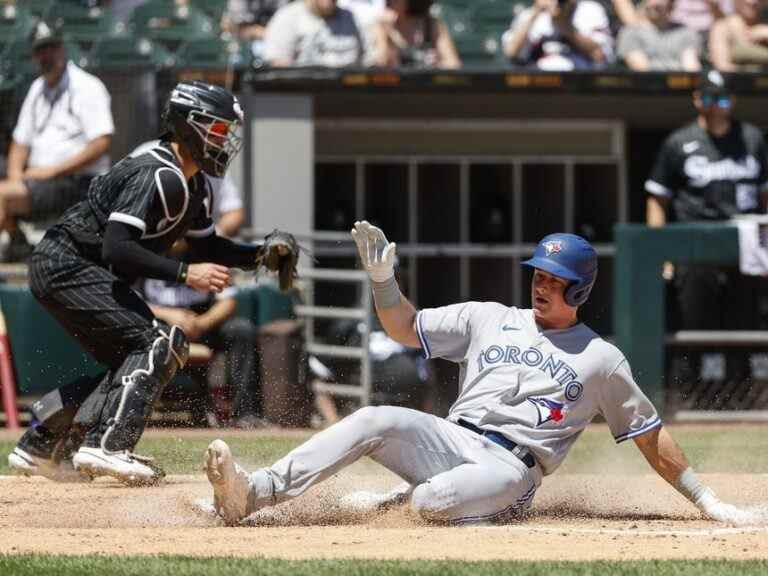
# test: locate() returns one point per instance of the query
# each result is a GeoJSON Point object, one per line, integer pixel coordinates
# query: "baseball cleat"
{"type": "Point", "coordinates": [231, 485]}
{"type": "Point", "coordinates": [128, 468]}
{"type": "Point", "coordinates": [22, 462]}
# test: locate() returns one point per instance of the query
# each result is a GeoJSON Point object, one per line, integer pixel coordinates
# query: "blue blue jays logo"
{"type": "Point", "coordinates": [553, 247]}
{"type": "Point", "coordinates": [547, 409]}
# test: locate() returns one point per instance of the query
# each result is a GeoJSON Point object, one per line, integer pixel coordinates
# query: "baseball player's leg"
{"type": "Point", "coordinates": [116, 413]}
{"type": "Point", "coordinates": [119, 330]}
{"type": "Point", "coordinates": [414, 445]}
{"type": "Point", "coordinates": [46, 447]}
{"type": "Point", "coordinates": [61, 285]}
{"type": "Point", "coordinates": [496, 487]}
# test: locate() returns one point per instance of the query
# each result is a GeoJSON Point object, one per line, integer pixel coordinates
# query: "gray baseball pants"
{"type": "Point", "coordinates": [457, 475]}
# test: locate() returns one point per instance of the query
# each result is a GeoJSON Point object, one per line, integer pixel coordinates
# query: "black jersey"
{"type": "Point", "coordinates": [146, 190]}
{"type": "Point", "coordinates": [708, 177]}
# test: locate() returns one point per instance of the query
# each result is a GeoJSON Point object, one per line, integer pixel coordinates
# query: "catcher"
{"type": "Point", "coordinates": [82, 272]}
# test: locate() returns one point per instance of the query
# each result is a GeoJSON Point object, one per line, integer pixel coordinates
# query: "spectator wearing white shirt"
{"type": "Point", "coordinates": [313, 33]}
{"type": "Point", "coordinates": [560, 35]}
{"type": "Point", "coordinates": [59, 143]}
{"type": "Point", "coordinates": [228, 211]}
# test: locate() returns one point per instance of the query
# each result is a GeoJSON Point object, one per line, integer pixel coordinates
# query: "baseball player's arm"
{"type": "Point", "coordinates": [122, 250]}
{"type": "Point", "coordinates": [663, 454]}
{"type": "Point", "coordinates": [667, 459]}
{"type": "Point", "coordinates": [656, 211]}
{"type": "Point", "coordinates": [230, 222]}
{"type": "Point", "coordinates": [93, 151]}
{"type": "Point", "coordinates": [215, 248]}
{"type": "Point", "coordinates": [377, 255]}
{"type": "Point", "coordinates": [17, 159]}
{"type": "Point", "coordinates": [399, 322]}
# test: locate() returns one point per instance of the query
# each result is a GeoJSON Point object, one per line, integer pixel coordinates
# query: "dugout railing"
{"type": "Point", "coordinates": [309, 312]}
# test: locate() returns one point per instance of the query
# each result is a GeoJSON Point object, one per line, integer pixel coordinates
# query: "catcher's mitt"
{"type": "Point", "coordinates": [280, 253]}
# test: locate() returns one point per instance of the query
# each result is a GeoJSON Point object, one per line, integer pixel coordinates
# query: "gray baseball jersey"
{"type": "Point", "coordinates": [540, 388]}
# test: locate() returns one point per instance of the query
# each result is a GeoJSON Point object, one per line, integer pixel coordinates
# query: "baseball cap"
{"type": "Point", "coordinates": [44, 35]}
{"type": "Point", "coordinates": [713, 83]}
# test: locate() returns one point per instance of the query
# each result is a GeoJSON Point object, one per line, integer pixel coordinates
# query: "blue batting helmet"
{"type": "Point", "coordinates": [571, 257]}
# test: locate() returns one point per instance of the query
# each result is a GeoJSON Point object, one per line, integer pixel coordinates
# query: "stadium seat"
{"type": "Point", "coordinates": [16, 59]}
{"type": "Point", "coordinates": [170, 25]}
{"type": "Point", "coordinates": [15, 23]}
{"type": "Point", "coordinates": [127, 51]}
{"type": "Point", "coordinates": [214, 9]}
{"type": "Point", "coordinates": [80, 23]}
{"type": "Point", "coordinates": [38, 7]}
{"type": "Point", "coordinates": [492, 13]}
{"type": "Point", "coordinates": [213, 53]}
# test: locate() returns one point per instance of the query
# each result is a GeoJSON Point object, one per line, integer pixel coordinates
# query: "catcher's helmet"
{"type": "Point", "coordinates": [208, 119]}
{"type": "Point", "coordinates": [571, 257]}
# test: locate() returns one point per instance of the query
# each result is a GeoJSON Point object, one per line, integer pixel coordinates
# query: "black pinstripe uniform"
{"type": "Point", "coordinates": [94, 301]}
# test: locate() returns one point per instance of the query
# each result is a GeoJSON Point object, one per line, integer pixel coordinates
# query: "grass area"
{"type": "Point", "coordinates": [184, 455]}
{"type": "Point", "coordinates": [181, 566]}
{"type": "Point", "coordinates": [735, 449]}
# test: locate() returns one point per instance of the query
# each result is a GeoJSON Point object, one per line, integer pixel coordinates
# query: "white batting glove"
{"type": "Point", "coordinates": [377, 254]}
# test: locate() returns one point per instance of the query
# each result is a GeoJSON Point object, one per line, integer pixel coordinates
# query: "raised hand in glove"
{"type": "Point", "coordinates": [280, 253]}
{"type": "Point", "coordinates": [377, 254]}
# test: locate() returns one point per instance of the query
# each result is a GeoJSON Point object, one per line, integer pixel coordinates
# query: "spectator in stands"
{"type": "Point", "coordinates": [712, 169]}
{"type": "Point", "coordinates": [60, 141]}
{"type": "Point", "coordinates": [740, 41]}
{"type": "Point", "coordinates": [368, 14]}
{"type": "Point", "coordinates": [408, 35]}
{"type": "Point", "coordinates": [248, 19]}
{"type": "Point", "coordinates": [560, 35]}
{"type": "Point", "coordinates": [658, 44]}
{"type": "Point", "coordinates": [313, 33]}
{"type": "Point", "coordinates": [210, 319]}
{"type": "Point", "coordinates": [700, 15]}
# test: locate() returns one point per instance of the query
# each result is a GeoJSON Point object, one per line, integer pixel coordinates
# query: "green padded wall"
{"type": "Point", "coordinates": [44, 355]}
{"type": "Point", "coordinates": [639, 312]}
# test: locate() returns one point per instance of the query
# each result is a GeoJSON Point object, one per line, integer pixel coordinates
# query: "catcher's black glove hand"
{"type": "Point", "coordinates": [280, 253]}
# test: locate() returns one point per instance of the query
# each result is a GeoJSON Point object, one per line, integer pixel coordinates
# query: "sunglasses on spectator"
{"type": "Point", "coordinates": [724, 102]}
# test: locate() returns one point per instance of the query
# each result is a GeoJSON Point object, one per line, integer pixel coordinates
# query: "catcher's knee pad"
{"type": "Point", "coordinates": [142, 378]}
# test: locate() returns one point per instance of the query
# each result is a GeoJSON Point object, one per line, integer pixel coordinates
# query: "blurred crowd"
{"type": "Point", "coordinates": [664, 35]}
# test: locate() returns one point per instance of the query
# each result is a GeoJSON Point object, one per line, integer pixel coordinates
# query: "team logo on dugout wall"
{"type": "Point", "coordinates": [553, 247]}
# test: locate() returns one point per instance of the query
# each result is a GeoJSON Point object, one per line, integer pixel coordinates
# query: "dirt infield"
{"type": "Point", "coordinates": [575, 517]}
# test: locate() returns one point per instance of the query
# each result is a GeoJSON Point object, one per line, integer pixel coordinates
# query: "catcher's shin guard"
{"type": "Point", "coordinates": [142, 379]}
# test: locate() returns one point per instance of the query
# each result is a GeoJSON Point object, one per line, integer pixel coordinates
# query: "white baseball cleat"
{"type": "Point", "coordinates": [231, 486]}
{"type": "Point", "coordinates": [22, 462]}
{"type": "Point", "coordinates": [128, 468]}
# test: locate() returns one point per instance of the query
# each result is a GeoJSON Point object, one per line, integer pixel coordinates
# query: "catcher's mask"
{"type": "Point", "coordinates": [208, 119]}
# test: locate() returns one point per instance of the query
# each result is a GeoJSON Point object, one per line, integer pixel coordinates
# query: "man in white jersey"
{"type": "Point", "coordinates": [531, 381]}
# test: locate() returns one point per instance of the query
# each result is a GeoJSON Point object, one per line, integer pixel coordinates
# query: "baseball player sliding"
{"type": "Point", "coordinates": [531, 381]}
